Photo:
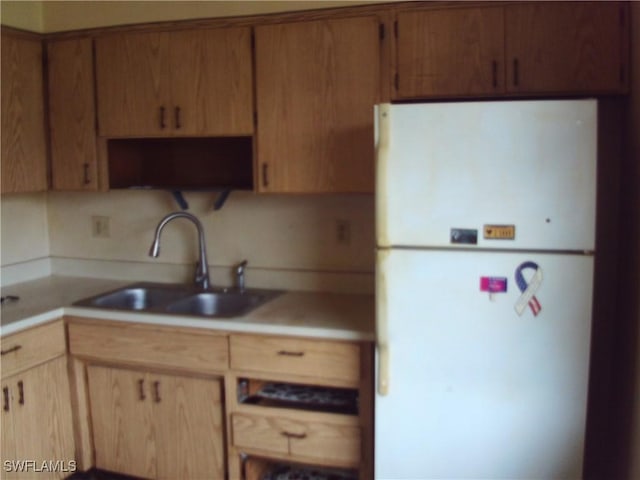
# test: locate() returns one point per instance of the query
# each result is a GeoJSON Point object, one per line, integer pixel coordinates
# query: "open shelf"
{"type": "Point", "coordinates": [181, 163]}
{"type": "Point", "coordinates": [298, 396]}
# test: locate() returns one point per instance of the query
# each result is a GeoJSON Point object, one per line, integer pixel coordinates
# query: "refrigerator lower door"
{"type": "Point", "coordinates": [474, 389]}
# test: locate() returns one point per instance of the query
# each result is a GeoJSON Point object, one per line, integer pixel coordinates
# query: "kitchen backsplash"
{"type": "Point", "coordinates": [289, 241]}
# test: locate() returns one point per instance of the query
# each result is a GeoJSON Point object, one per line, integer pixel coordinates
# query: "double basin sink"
{"type": "Point", "coordinates": [181, 300]}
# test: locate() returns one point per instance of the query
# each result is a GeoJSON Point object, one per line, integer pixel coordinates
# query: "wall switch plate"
{"type": "Point", "coordinates": [100, 227]}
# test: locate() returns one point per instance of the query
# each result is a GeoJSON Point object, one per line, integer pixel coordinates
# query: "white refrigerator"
{"type": "Point", "coordinates": [485, 226]}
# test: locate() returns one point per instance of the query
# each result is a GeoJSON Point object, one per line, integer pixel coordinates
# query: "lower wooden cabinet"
{"type": "Point", "coordinates": [37, 429]}
{"type": "Point", "coordinates": [156, 425]}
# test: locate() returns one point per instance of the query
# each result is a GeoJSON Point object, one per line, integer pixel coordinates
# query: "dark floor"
{"type": "Point", "coordinates": [95, 474]}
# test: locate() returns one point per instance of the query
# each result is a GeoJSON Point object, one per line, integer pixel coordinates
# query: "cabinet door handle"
{"type": "Point", "coordinates": [516, 72]}
{"type": "Point", "coordinates": [162, 122]}
{"type": "Point", "coordinates": [177, 117]}
{"type": "Point", "coordinates": [86, 180]}
{"type": "Point", "coordinates": [297, 436]}
{"type": "Point", "coordinates": [21, 392]}
{"type": "Point", "coordinates": [10, 350]}
{"type": "Point", "coordinates": [494, 73]}
{"type": "Point", "coordinates": [156, 391]}
{"type": "Point", "coordinates": [286, 353]}
{"type": "Point", "coordinates": [5, 394]}
{"type": "Point", "coordinates": [265, 174]}
{"type": "Point", "coordinates": [141, 390]}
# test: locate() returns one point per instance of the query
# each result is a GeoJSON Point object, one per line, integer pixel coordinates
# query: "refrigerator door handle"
{"type": "Point", "coordinates": [382, 327]}
{"type": "Point", "coordinates": [383, 125]}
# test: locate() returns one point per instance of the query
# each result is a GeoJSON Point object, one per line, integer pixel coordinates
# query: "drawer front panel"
{"type": "Point", "coordinates": [295, 438]}
{"type": "Point", "coordinates": [332, 361]}
{"type": "Point", "coordinates": [31, 347]}
{"type": "Point", "coordinates": [139, 344]}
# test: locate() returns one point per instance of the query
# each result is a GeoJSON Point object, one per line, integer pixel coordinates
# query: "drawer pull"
{"type": "Point", "coordinates": [5, 394]}
{"type": "Point", "coordinates": [287, 353]}
{"type": "Point", "coordinates": [11, 350]}
{"type": "Point", "coordinates": [21, 392]}
{"type": "Point", "coordinates": [297, 436]}
{"type": "Point", "coordinates": [141, 387]}
{"type": "Point", "coordinates": [156, 390]}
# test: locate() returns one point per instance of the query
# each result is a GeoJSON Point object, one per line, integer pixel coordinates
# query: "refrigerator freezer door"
{"type": "Point", "coordinates": [525, 171]}
{"type": "Point", "coordinates": [476, 390]}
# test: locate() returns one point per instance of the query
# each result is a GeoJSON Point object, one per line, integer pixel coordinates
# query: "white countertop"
{"type": "Point", "coordinates": [310, 314]}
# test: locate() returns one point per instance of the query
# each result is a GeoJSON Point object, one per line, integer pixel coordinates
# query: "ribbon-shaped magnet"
{"type": "Point", "coordinates": [528, 288]}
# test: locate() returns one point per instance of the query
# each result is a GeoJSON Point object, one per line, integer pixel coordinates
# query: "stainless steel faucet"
{"type": "Point", "coordinates": [202, 268]}
{"type": "Point", "coordinates": [240, 275]}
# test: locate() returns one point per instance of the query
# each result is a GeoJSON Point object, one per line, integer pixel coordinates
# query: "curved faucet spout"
{"type": "Point", "coordinates": [202, 270]}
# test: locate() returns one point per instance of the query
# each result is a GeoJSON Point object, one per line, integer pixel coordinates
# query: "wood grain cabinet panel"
{"type": "Point", "coordinates": [150, 345]}
{"type": "Point", "coordinates": [325, 361]}
{"type": "Point", "coordinates": [23, 150]}
{"type": "Point", "coordinates": [31, 347]}
{"type": "Point", "coordinates": [156, 425]}
{"type": "Point", "coordinates": [531, 48]}
{"type": "Point", "coordinates": [567, 47]}
{"type": "Point", "coordinates": [72, 115]}
{"type": "Point", "coordinates": [184, 83]}
{"type": "Point", "coordinates": [316, 85]}
{"type": "Point", "coordinates": [298, 438]}
{"type": "Point", "coordinates": [450, 52]}
{"type": "Point", "coordinates": [36, 420]}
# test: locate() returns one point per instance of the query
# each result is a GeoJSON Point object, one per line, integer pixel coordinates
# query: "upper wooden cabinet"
{"type": "Point", "coordinates": [521, 48]}
{"type": "Point", "coordinates": [571, 47]}
{"type": "Point", "coordinates": [449, 52]}
{"type": "Point", "coordinates": [184, 83]}
{"type": "Point", "coordinates": [23, 151]}
{"type": "Point", "coordinates": [72, 120]}
{"type": "Point", "coordinates": [316, 85]}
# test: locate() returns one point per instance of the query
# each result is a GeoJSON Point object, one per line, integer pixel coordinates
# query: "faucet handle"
{"type": "Point", "coordinates": [240, 275]}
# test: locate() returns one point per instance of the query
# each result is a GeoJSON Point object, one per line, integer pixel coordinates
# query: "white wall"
{"type": "Point", "coordinates": [24, 232]}
{"type": "Point", "coordinates": [24, 237]}
{"type": "Point", "coordinates": [22, 14]}
{"type": "Point", "coordinates": [290, 235]}
{"type": "Point", "coordinates": [73, 15]}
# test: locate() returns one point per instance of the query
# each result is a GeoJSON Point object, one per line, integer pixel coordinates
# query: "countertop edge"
{"type": "Point", "coordinates": [231, 326]}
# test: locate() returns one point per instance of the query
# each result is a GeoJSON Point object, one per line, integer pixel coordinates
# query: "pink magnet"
{"type": "Point", "coordinates": [493, 284]}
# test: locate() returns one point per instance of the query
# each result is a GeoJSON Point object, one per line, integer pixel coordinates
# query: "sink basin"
{"type": "Point", "coordinates": [219, 304]}
{"type": "Point", "coordinates": [180, 300]}
{"type": "Point", "coordinates": [137, 298]}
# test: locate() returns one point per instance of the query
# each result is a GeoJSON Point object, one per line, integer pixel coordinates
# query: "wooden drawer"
{"type": "Point", "coordinates": [329, 361]}
{"type": "Point", "coordinates": [31, 347]}
{"type": "Point", "coordinates": [297, 439]}
{"type": "Point", "coordinates": [203, 351]}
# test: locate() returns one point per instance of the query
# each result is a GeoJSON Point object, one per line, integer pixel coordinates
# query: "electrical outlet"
{"type": "Point", "coordinates": [343, 232]}
{"type": "Point", "coordinates": [100, 227]}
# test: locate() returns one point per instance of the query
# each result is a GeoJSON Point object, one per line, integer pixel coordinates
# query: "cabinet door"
{"type": "Point", "coordinates": [8, 443]}
{"type": "Point", "coordinates": [211, 82]}
{"type": "Point", "coordinates": [317, 83]}
{"type": "Point", "coordinates": [72, 115]}
{"type": "Point", "coordinates": [23, 151]}
{"type": "Point", "coordinates": [189, 423]}
{"type": "Point", "coordinates": [133, 86]}
{"type": "Point", "coordinates": [459, 51]}
{"type": "Point", "coordinates": [41, 417]}
{"type": "Point", "coordinates": [122, 415]}
{"type": "Point", "coordinates": [568, 47]}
